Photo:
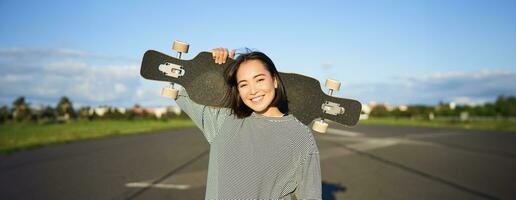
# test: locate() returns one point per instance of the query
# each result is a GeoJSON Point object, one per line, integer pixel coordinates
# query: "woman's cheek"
{"type": "Point", "coordinates": [242, 92]}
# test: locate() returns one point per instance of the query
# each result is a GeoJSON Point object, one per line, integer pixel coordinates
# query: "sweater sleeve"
{"type": "Point", "coordinates": [309, 178]}
{"type": "Point", "coordinates": [208, 119]}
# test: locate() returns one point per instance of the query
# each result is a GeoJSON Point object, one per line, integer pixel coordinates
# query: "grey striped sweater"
{"type": "Point", "coordinates": [257, 157]}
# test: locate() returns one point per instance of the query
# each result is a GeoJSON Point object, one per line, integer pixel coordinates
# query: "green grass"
{"type": "Point", "coordinates": [20, 136]}
{"type": "Point", "coordinates": [497, 125]}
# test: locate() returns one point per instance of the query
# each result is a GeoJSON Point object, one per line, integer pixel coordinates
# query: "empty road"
{"type": "Point", "coordinates": [363, 162]}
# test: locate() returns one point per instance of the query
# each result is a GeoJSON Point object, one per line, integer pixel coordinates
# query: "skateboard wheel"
{"type": "Point", "coordinates": [169, 93]}
{"type": "Point", "coordinates": [320, 126]}
{"type": "Point", "coordinates": [332, 84]}
{"type": "Point", "coordinates": [180, 46]}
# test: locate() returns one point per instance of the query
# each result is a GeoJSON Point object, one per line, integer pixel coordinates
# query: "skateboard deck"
{"type": "Point", "coordinates": [203, 80]}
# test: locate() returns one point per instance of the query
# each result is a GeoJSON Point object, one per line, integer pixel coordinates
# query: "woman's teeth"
{"type": "Point", "coordinates": [257, 99]}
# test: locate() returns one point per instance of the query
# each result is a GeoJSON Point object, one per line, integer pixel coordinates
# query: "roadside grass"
{"type": "Point", "coordinates": [25, 135]}
{"type": "Point", "coordinates": [497, 125]}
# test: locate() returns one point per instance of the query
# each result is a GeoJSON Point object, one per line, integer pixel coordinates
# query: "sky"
{"type": "Point", "coordinates": [386, 51]}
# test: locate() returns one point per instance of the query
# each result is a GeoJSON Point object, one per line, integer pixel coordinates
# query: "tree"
{"type": "Point", "coordinates": [65, 109]}
{"type": "Point", "coordinates": [21, 110]}
{"type": "Point", "coordinates": [399, 113]}
{"type": "Point", "coordinates": [114, 113]}
{"type": "Point", "coordinates": [4, 114]}
{"type": "Point", "coordinates": [379, 111]}
{"type": "Point", "coordinates": [84, 113]}
{"type": "Point", "coordinates": [444, 109]}
{"type": "Point", "coordinates": [506, 106]}
{"type": "Point", "coordinates": [49, 114]}
{"type": "Point", "coordinates": [421, 111]}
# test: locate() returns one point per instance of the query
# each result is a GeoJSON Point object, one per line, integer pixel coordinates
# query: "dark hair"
{"type": "Point", "coordinates": [232, 98]}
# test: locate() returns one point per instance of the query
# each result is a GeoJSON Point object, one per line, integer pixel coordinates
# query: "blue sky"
{"type": "Point", "coordinates": [398, 52]}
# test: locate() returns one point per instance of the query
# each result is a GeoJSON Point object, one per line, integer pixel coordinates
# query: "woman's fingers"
{"type": "Point", "coordinates": [220, 55]}
{"type": "Point", "coordinates": [216, 55]}
{"type": "Point", "coordinates": [224, 55]}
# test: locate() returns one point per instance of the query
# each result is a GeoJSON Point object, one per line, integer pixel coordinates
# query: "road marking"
{"type": "Point", "coordinates": [343, 132]}
{"type": "Point", "coordinates": [373, 144]}
{"type": "Point", "coordinates": [158, 185]}
{"type": "Point", "coordinates": [369, 144]}
{"type": "Point", "coordinates": [360, 142]}
{"type": "Point", "coordinates": [184, 181]}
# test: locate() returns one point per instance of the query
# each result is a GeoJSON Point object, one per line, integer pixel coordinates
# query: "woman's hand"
{"type": "Point", "coordinates": [220, 55]}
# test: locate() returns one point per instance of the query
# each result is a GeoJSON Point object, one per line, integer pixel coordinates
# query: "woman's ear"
{"type": "Point", "coordinates": [275, 82]}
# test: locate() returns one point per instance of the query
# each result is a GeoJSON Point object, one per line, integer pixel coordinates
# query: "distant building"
{"type": "Point", "coordinates": [158, 111]}
{"type": "Point", "coordinates": [121, 110]}
{"type": "Point", "coordinates": [364, 114]}
{"type": "Point", "coordinates": [453, 105]}
{"type": "Point", "coordinates": [367, 108]}
{"type": "Point", "coordinates": [99, 111]}
{"type": "Point", "coordinates": [174, 109]}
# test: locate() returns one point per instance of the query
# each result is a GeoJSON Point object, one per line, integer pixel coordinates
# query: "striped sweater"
{"type": "Point", "coordinates": [257, 157]}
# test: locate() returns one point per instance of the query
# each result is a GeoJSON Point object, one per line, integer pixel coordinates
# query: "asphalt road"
{"type": "Point", "coordinates": [364, 162]}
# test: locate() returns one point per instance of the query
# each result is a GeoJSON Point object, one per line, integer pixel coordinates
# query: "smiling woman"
{"type": "Point", "coordinates": [257, 149]}
{"type": "Point", "coordinates": [255, 85]}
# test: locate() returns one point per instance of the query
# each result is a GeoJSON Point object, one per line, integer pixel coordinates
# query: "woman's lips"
{"type": "Point", "coordinates": [257, 100]}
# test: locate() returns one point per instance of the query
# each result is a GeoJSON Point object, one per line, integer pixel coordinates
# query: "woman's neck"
{"type": "Point", "coordinates": [272, 112]}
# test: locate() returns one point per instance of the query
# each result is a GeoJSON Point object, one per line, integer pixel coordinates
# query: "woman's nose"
{"type": "Point", "coordinates": [253, 89]}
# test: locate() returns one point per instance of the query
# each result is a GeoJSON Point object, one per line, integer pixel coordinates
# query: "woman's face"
{"type": "Point", "coordinates": [255, 85]}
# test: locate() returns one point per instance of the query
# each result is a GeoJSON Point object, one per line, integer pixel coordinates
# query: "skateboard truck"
{"type": "Point", "coordinates": [174, 70]}
{"type": "Point", "coordinates": [328, 107]}
{"type": "Point", "coordinates": [332, 108]}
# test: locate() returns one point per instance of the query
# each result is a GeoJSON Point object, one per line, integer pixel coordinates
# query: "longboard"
{"type": "Point", "coordinates": [203, 80]}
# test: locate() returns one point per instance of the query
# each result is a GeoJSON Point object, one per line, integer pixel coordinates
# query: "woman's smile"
{"type": "Point", "coordinates": [257, 100]}
{"type": "Point", "coordinates": [256, 87]}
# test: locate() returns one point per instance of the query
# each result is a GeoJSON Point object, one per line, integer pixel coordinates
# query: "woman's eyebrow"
{"type": "Point", "coordinates": [253, 78]}
{"type": "Point", "coordinates": [259, 75]}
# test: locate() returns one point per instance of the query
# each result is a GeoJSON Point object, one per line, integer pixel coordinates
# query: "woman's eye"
{"type": "Point", "coordinates": [260, 80]}
{"type": "Point", "coordinates": [241, 86]}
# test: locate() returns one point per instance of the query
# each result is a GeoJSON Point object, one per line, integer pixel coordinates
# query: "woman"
{"type": "Point", "coordinates": [257, 149]}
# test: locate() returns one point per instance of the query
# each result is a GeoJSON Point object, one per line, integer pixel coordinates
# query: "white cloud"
{"type": "Point", "coordinates": [83, 80]}
{"type": "Point", "coordinates": [120, 88]}
{"type": "Point", "coordinates": [466, 101]}
{"type": "Point", "coordinates": [13, 78]}
{"type": "Point", "coordinates": [460, 87]}
{"type": "Point", "coordinates": [66, 66]}
{"type": "Point", "coordinates": [34, 54]}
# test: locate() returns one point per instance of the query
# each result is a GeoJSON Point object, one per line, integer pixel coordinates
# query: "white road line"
{"type": "Point", "coordinates": [183, 181]}
{"type": "Point", "coordinates": [159, 185]}
{"type": "Point", "coordinates": [374, 144]}
{"type": "Point", "coordinates": [369, 144]}
{"type": "Point", "coordinates": [343, 133]}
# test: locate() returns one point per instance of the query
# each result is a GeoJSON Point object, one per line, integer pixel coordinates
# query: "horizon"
{"type": "Point", "coordinates": [371, 103]}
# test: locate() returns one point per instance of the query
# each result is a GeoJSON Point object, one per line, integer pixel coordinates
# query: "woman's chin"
{"type": "Point", "coordinates": [258, 109]}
